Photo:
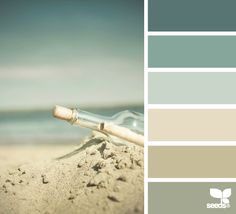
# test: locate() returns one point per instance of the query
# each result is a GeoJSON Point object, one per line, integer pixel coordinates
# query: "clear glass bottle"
{"type": "Point", "coordinates": [126, 125]}
{"type": "Point", "coordinates": [131, 120]}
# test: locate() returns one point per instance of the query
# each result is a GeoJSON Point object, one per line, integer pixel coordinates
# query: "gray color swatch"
{"type": "Point", "coordinates": [186, 198]}
{"type": "Point", "coordinates": [192, 88]}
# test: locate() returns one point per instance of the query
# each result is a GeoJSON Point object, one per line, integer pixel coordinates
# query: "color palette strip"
{"type": "Point", "coordinates": [191, 162]}
{"type": "Point", "coordinates": [192, 124]}
{"type": "Point", "coordinates": [191, 88]}
{"type": "Point", "coordinates": [191, 51]}
{"type": "Point", "coordinates": [185, 15]}
{"type": "Point", "coordinates": [194, 198]}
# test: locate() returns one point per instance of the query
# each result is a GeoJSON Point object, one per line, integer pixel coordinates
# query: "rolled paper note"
{"type": "Point", "coordinates": [109, 128]}
{"type": "Point", "coordinates": [122, 132]}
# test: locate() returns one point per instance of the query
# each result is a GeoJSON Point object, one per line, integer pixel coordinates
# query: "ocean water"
{"type": "Point", "coordinates": [39, 126]}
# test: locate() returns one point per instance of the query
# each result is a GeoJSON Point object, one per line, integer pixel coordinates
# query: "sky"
{"type": "Point", "coordinates": [70, 52]}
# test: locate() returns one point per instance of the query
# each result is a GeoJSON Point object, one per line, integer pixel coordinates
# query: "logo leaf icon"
{"type": "Point", "coordinates": [227, 193]}
{"type": "Point", "coordinates": [215, 193]}
{"type": "Point", "coordinates": [225, 200]}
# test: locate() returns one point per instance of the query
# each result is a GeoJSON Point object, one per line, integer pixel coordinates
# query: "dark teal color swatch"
{"type": "Point", "coordinates": [192, 88]}
{"type": "Point", "coordinates": [191, 51]}
{"type": "Point", "coordinates": [191, 15]}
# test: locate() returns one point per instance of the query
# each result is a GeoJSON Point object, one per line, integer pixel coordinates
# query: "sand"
{"type": "Point", "coordinates": [99, 176]}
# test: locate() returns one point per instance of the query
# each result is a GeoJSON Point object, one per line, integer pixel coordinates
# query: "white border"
{"type": "Point", "coordinates": [189, 70]}
{"type": "Point", "coordinates": [191, 106]}
{"type": "Point", "coordinates": [192, 33]}
{"type": "Point", "coordinates": [145, 107]}
{"type": "Point", "coordinates": [191, 143]}
{"type": "Point", "coordinates": [189, 180]}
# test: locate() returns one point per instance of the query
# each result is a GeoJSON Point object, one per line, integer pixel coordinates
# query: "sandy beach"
{"type": "Point", "coordinates": [98, 176]}
{"type": "Point", "coordinates": [85, 56]}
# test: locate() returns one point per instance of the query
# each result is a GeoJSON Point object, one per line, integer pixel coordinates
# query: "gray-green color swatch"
{"type": "Point", "coordinates": [192, 88]}
{"type": "Point", "coordinates": [186, 198]}
{"type": "Point", "coordinates": [191, 51]}
{"type": "Point", "coordinates": [189, 15]}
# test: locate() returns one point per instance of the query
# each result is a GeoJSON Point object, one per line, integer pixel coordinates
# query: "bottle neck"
{"type": "Point", "coordinates": [87, 120]}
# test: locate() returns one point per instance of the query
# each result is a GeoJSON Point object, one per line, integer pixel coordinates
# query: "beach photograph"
{"type": "Point", "coordinates": [71, 107]}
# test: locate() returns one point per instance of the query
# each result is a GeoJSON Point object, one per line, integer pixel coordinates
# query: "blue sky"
{"type": "Point", "coordinates": [71, 52]}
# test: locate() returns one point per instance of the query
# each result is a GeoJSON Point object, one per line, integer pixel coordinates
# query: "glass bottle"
{"type": "Point", "coordinates": [128, 119]}
{"type": "Point", "coordinates": [128, 125]}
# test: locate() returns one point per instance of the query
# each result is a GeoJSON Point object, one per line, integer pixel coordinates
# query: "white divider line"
{"type": "Point", "coordinates": [192, 106]}
{"type": "Point", "coordinates": [145, 106]}
{"type": "Point", "coordinates": [192, 33]}
{"type": "Point", "coordinates": [192, 143]}
{"type": "Point", "coordinates": [190, 180]}
{"type": "Point", "coordinates": [189, 70]}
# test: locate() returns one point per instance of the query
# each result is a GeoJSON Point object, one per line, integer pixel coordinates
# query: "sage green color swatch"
{"type": "Point", "coordinates": [191, 51]}
{"type": "Point", "coordinates": [188, 198]}
{"type": "Point", "coordinates": [192, 88]}
{"type": "Point", "coordinates": [187, 15]}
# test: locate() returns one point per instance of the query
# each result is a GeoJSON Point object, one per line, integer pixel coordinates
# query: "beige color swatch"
{"type": "Point", "coordinates": [192, 124]}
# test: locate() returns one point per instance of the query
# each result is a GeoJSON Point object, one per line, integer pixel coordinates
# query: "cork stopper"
{"type": "Point", "coordinates": [62, 113]}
